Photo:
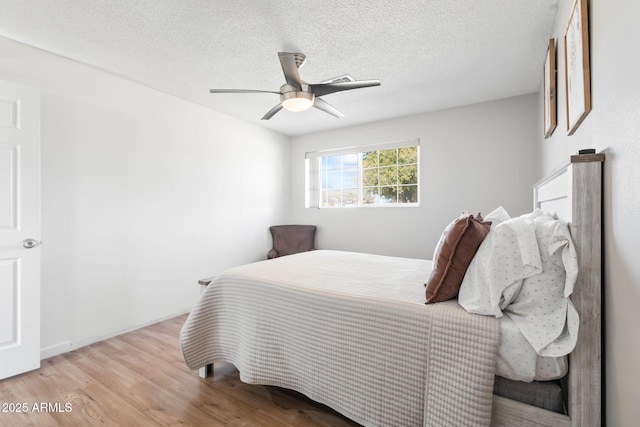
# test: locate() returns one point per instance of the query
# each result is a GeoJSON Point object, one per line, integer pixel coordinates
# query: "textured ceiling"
{"type": "Point", "coordinates": [428, 55]}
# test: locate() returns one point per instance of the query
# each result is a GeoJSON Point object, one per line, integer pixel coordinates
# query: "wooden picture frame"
{"type": "Point", "coordinates": [576, 58]}
{"type": "Point", "coordinates": [550, 113]}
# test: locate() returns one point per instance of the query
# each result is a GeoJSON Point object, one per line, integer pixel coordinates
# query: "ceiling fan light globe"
{"type": "Point", "coordinates": [297, 101]}
{"type": "Point", "coordinates": [297, 104]}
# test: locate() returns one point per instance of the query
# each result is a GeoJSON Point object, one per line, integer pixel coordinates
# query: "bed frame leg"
{"type": "Point", "coordinates": [206, 371]}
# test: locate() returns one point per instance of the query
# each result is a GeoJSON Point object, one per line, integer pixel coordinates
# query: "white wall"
{"type": "Point", "coordinates": [473, 158]}
{"type": "Point", "coordinates": [613, 127]}
{"type": "Point", "coordinates": [142, 195]}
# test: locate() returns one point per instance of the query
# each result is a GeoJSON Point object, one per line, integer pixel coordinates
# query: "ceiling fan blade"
{"type": "Point", "coordinates": [290, 69]}
{"type": "Point", "coordinates": [241, 91]}
{"type": "Point", "coordinates": [272, 112]}
{"type": "Point", "coordinates": [323, 105]}
{"type": "Point", "coordinates": [321, 89]}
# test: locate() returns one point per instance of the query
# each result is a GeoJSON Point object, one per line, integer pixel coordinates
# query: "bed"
{"type": "Point", "coordinates": [381, 356]}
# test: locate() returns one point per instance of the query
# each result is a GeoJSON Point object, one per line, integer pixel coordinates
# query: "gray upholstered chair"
{"type": "Point", "coordinates": [291, 239]}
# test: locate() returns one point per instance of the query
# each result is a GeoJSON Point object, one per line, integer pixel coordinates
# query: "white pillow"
{"type": "Point", "coordinates": [505, 258]}
{"type": "Point", "coordinates": [542, 309]}
{"type": "Point", "coordinates": [497, 216]}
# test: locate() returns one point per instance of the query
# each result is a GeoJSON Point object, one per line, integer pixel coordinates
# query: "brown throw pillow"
{"type": "Point", "coordinates": [455, 250]}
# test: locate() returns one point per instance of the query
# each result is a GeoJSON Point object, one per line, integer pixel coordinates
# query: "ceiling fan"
{"type": "Point", "coordinates": [296, 95]}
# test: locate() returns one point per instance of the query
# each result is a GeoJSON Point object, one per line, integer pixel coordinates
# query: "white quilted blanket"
{"type": "Point", "coordinates": [351, 331]}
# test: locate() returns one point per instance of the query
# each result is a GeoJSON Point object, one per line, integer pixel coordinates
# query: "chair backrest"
{"type": "Point", "coordinates": [291, 239]}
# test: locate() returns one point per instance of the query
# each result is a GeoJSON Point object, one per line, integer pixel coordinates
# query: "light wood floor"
{"type": "Point", "coordinates": [140, 379]}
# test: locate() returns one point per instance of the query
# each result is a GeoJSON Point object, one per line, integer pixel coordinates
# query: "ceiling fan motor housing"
{"type": "Point", "coordinates": [299, 59]}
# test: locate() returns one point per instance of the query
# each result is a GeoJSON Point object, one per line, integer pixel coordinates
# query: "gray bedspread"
{"type": "Point", "coordinates": [351, 331]}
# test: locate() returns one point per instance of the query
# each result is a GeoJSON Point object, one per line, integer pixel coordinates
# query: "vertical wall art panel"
{"type": "Point", "coordinates": [577, 74]}
{"type": "Point", "coordinates": [550, 113]}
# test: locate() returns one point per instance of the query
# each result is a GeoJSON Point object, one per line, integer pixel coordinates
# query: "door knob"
{"type": "Point", "coordinates": [30, 243]}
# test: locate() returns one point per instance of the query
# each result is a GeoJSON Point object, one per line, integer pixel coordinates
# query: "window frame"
{"type": "Point", "coordinates": [313, 174]}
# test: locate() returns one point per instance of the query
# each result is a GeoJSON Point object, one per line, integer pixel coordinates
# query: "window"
{"type": "Point", "coordinates": [376, 175]}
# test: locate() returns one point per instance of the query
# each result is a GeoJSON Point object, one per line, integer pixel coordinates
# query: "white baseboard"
{"type": "Point", "coordinates": [67, 346]}
{"type": "Point", "coordinates": [56, 349]}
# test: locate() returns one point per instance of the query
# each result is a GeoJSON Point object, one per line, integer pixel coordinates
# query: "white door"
{"type": "Point", "coordinates": [19, 229]}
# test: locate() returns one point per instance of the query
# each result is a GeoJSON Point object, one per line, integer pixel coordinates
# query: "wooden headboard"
{"type": "Point", "coordinates": [574, 193]}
